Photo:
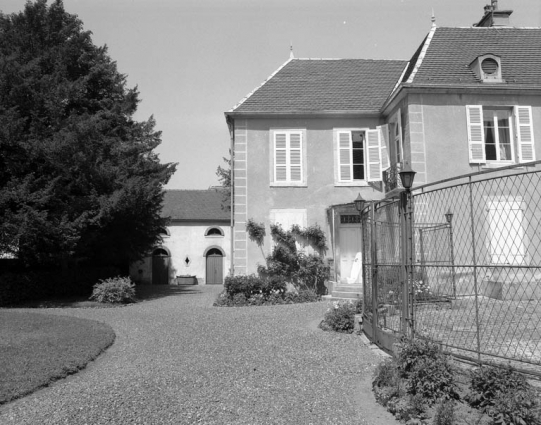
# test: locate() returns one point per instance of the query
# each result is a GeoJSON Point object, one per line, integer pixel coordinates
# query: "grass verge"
{"type": "Point", "coordinates": [38, 349]}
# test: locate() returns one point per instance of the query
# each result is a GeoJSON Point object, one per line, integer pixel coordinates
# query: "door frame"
{"type": "Point", "coordinates": [206, 255]}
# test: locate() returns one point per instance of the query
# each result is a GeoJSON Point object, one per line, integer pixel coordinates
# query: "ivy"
{"type": "Point", "coordinates": [305, 271]}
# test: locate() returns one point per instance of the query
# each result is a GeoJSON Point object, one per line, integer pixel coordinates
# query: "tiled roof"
{"type": "Point", "coordinates": [451, 51]}
{"type": "Point", "coordinates": [325, 85]}
{"type": "Point", "coordinates": [194, 205]}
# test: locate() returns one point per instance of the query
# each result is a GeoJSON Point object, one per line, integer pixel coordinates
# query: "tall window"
{"type": "Point", "coordinates": [500, 135]}
{"type": "Point", "coordinates": [351, 155]}
{"type": "Point", "coordinates": [358, 156]}
{"type": "Point", "coordinates": [288, 156]}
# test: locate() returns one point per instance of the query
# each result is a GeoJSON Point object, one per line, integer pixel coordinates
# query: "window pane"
{"type": "Point", "coordinates": [358, 172]}
{"type": "Point", "coordinates": [490, 137]}
{"type": "Point", "coordinates": [358, 156]}
{"type": "Point", "coordinates": [505, 143]}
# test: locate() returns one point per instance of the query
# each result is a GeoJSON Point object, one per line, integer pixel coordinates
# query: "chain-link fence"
{"type": "Point", "coordinates": [472, 276]}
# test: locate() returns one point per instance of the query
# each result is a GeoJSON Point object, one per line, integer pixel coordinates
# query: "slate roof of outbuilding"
{"type": "Point", "coordinates": [194, 205]}
{"type": "Point", "coordinates": [452, 50]}
{"type": "Point", "coordinates": [325, 85]}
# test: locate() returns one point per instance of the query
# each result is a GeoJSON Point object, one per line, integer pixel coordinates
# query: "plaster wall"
{"type": "Point", "coordinates": [438, 123]}
{"type": "Point", "coordinates": [256, 196]}
{"type": "Point", "coordinates": [187, 240]}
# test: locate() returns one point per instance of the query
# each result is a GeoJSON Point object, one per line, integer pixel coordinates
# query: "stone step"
{"type": "Point", "coordinates": [348, 288]}
{"type": "Point", "coordinates": [349, 295]}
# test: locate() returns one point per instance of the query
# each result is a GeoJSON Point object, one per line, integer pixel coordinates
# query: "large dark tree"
{"type": "Point", "coordinates": [78, 176]}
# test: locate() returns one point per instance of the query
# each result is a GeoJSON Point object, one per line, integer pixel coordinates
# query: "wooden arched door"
{"type": "Point", "coordinates": [215, 267]}
{"type": "Point", "coordinates": [160, 267]}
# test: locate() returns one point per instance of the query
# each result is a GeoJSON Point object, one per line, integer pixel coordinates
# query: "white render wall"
{"type": "Point", "coordinates": [187, 240]}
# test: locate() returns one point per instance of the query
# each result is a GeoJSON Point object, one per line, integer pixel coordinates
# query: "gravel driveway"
{"type": "Point", "coordinates": [178, 360]}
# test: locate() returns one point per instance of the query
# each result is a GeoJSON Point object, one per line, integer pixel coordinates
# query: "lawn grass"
{"type": "Point", "coordinates": [38, 349]}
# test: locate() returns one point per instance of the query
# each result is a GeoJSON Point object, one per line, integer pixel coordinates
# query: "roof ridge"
{"type": "Point", "coordinates": [493, 28]}
{"type": "Point", "coordinates": [352, 59]}
{"type": "Point", "coordinates": [261, 85]}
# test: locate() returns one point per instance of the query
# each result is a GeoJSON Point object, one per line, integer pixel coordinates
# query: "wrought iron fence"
{"type": "Point", "coordinates": [471, 279]}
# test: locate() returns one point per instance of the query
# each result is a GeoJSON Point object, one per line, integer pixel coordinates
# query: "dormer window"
{"type": "Point", "coordinates": [488, 68]}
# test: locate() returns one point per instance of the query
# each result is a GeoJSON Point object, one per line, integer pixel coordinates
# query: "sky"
{"type": "Point", "coordinates": [192, 60]}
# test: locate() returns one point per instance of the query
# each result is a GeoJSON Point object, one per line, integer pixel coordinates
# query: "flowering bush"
{"type": "Point", "coordinates": [421, 290]}
{"type": "Point", "coordinates": [253, 291]}
{"type": "Point", "coordinates": [114, 290]}
{"type": "Point", "coordinates": [340, 317]}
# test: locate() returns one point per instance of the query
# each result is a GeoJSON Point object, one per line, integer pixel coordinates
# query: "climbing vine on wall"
{"type": "Point", "coordinates": [256, 231]}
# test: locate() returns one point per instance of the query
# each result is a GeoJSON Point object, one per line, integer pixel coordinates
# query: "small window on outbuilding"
{"type": "Point", "coordinates": [164, 232]}
{"type": "Point", "coordinates": [214, 231]}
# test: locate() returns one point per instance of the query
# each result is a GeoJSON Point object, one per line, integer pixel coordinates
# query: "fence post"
{"type": "Point", "coordinates": [475, 271]}
{"type": "Point", "coordinates": [406, 275]}
{"type": "Point", "coordinates": [374, 259]}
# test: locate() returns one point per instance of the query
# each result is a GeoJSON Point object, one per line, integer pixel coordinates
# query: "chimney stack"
{"type": "Point", "coordinates": [494, 17]}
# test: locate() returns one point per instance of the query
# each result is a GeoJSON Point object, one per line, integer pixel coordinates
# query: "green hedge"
{"type": "Point", "coordinates": [17, 286]}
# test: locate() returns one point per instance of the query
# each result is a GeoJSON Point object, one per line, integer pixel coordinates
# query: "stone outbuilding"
{"type": "Point", "coordinates": [196, 244]}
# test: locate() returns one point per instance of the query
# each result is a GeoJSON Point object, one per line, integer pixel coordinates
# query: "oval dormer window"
{"type": "Point", "coordinates": [489, 66]}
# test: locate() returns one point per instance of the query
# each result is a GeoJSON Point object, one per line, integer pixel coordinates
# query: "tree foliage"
{"type": "Point", "coordinates": [78, 175]}
{"type": "Point", "coordinates": [224, 177]}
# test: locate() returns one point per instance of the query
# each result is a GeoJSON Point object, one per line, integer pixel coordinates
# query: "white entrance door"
{"type": "Point", "coordinates": [506, 231]}
{"type": "Point", "coordinates": [350, 244]}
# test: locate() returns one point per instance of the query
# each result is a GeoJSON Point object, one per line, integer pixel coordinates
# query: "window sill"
{"type": "Point", "coordinates": [358, 183]}
{"type": "Point", "coordinates": [490, 165]}
{"type": "Point", "coordinates": [288, 184]}
{"type": "Point", "coordinates": [214, 236]}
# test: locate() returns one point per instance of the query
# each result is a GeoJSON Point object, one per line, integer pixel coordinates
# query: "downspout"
{"type": "Point", "coordinates": [231, 124]}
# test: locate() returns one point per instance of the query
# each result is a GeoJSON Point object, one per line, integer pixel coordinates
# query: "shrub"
{"type": "Point", "coordinates": [515, 407]}
{"type": "Point", "coordinates": [339, 318]}
{"type": "Point", "coordinates": [445, 413]}
{"type": "Point", "coordinates": [17, 286]}
{"type": "Point", "coordinates": [504, 395]}
{"type": "Point", "coordinates": [432, 378]}
{"type": "Point", "coordinates": [114, 290]}
{"type": "Point", "coordinates": [243, 284]}
{"type": "Point", "coordinates": [252, 285]}
{"type": "Point", "coordinates": [302, 296]}
{"type": "Point", "coordinates": [386, 375]}
{"type": "Point", "coordinates": [487, 382]}
{"type": "Point", "coordinates": [412, 351]}
{"type": "Point", "coordinates": [426, 371]}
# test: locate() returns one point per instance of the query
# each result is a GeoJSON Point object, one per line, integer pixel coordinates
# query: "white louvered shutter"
{"type": "Point", "coordinates": [476, 134]}
{"type": "Point", "coordinates": [384, 148]}
{"type": "Point", "coordinates": [373, 164]}
{"type": "Point", "coordinates": [280, 157]}
{"type": "Point", "coordinates": [345, 164]}
{"type": "Point", "coordinates": [295, 157]}
{"type": "Point", "coordinates": [525, 139]}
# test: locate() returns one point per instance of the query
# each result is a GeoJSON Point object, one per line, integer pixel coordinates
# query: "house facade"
{"type": "Point", "coordinates": [317, 133]}
{"type": "Point", "coordinates": [196, 244]}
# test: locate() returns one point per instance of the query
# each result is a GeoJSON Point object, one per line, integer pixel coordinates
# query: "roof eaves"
{"type": "Point", "coordinates": [422, 55]}
{"type": "Point", "coordinates": [298, 112]}
{"type": "Point", "coordinates": [397, 85]}
{"type": "Point", "coordinates": [261, 85]}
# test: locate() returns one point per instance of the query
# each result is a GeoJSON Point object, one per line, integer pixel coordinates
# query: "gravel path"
{"type": "Point", "coordinates": [178, 360]}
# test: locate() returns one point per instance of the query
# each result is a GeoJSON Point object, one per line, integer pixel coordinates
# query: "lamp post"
{"type": "Point", "coordinates": [407, 176]}
{"type": "Point", "coordinates": [449, 218]}
{"type": "Point", "coordinates": [359, 206]}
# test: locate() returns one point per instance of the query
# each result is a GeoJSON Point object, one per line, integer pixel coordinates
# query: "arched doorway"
{"type": "Point", "coordinates": [215, 267]}
{"type": "Point", "coordinates": [160, 267]}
